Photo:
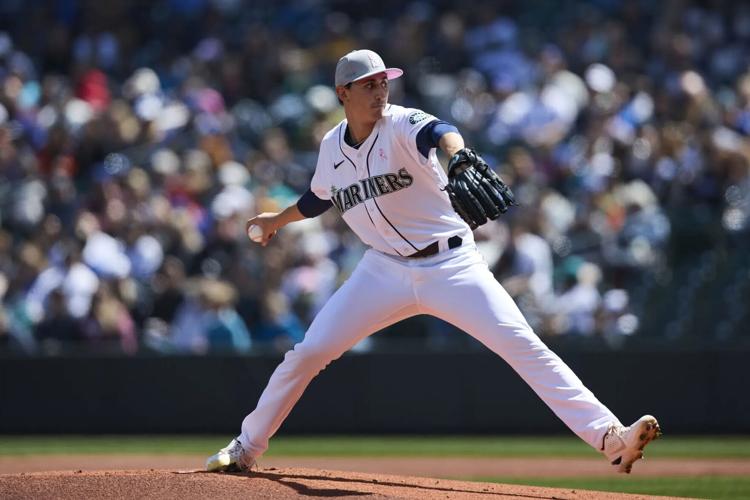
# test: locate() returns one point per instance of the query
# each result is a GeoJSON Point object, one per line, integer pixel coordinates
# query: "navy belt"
{"type": "Point", "coordinates": [434, 247]}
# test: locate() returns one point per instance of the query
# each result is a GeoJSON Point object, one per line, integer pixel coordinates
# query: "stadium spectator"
{"type": "Point", "coordinates": [146, 135]}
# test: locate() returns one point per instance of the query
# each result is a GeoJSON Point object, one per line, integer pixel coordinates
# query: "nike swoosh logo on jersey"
{"type": "Point", "coordinates": [337, 165]}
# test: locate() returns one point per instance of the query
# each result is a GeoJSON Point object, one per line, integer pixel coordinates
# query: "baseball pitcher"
{"type": "Point", "coordinates": [379, 169]}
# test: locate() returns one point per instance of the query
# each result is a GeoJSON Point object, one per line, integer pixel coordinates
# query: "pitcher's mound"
{"type": "Point", "coordinates": [265, 483]}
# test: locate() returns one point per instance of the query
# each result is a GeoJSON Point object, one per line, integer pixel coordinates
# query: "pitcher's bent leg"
{"type": "Point", "coordinates": [350, 315]}
{"type": "Point", "coordinates": [476, 303]}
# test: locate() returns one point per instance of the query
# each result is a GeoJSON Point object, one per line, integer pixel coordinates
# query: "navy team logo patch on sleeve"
{"type": "Point", "coordinates": [417, 117]}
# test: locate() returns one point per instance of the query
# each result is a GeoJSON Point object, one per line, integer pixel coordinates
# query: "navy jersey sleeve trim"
{"type": "Point", "coordinates": [310, 205]}
{"type": "Point", "coordinates": [429, 136]}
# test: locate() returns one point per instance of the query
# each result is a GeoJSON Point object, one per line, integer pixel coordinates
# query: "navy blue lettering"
{"type": "Point", "coordinates": [348, 203]}
{"type": "Point", "coordinates": [365, 189]}
{"type": "Point", "coordinates": [406, 178]}
{"type": "Point", "coordinates": [380, 182]}
{"type": "Point", "coordinates": [336, 199]}
{"type": "Point", "coordinates": [393, 182]}
{"type": "Point", "coordinates": [372, 187]}
{"type": "Point", "coordinates": [373, 191]}
{"type": "Point", "coordinates": [354, 192]}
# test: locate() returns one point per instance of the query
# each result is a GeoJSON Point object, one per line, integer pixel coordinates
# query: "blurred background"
{"type": "Point", "coordinates": [136, 137]}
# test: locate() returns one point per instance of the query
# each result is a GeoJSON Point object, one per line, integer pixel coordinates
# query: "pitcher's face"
{"type": "Point", "coordinates": [365, 100]}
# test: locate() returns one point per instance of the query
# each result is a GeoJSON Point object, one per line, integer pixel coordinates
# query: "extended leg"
{"type": "Point", "coordinates": [476, 303]}
{"type": "Point", "coordinates": [373, 298]}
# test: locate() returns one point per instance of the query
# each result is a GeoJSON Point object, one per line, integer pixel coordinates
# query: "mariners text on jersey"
{"type": "Point", "coordinates": [371, 187]}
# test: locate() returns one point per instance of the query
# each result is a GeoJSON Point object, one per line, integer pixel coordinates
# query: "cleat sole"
{"type": "Point", "coordinates": [651, 431]}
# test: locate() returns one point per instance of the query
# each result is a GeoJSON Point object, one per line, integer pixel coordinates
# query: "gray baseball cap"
{"type": "Point", "coordinates": [360, 64]}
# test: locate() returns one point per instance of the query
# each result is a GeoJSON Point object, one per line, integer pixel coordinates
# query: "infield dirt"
{"type": "Point", "coordinates": [269, 483]}
{"type": "Point", "coordinates": [437, 467]}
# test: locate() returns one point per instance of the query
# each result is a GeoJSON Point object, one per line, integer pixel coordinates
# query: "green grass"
{"type": "Point", "coordinates": [714, 487]}
{"type": "Point", "coordinates": [402, 446]}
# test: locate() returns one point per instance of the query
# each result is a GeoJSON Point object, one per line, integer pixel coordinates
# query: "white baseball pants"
{"type": "Point", "coordinates": [456, 286]}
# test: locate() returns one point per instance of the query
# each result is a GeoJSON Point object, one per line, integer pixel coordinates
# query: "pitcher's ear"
{"type": "Point", "coordinates": [341, 92]}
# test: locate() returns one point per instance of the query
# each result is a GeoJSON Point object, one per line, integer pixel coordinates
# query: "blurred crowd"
{"type": "Point", "coordinates": [136, 138]}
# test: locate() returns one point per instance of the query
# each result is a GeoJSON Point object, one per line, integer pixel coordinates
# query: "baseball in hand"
{"type": "Point", "coordinates": [255, 233]}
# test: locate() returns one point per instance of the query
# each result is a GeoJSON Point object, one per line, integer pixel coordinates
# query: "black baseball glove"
{"type": "Point", "coordinates": [475, 190]}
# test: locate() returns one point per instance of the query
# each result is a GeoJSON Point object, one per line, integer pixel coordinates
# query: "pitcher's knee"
{"type": "Point", "coordinates": [312, 355]}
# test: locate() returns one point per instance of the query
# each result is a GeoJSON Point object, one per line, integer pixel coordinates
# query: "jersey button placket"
{"type": "Point", "coordinates": [385, 231]}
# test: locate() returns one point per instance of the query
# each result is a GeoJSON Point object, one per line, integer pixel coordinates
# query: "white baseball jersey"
{"type": "Point", "coordinates": [388, 193]}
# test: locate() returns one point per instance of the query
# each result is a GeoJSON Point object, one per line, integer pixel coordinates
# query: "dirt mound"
{"type": "Point", "coordinates": [268, 483]}
{"type": "Point", "coordinates": [433, 467]}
